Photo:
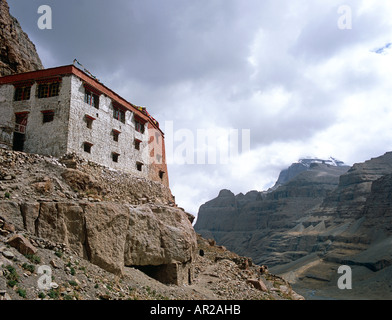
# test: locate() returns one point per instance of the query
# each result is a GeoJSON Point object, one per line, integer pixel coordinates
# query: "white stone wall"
{"type": "Point", "coordinates": [68, 131]}
{"type": "Point", "coordinates": [100, 135]}
{"type": "Point", "coordinates": [6, 116]}
{"type": "Point", "coordinates": [41, 138]}
{"type": "Point", "coordinates": [47, 138]}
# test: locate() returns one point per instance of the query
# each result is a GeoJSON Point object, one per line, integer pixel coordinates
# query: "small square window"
{"type": "Point", "coordinates": [137, 144]}
{"type": "Point", "coordinates": [139, 166]}
{"type": "Point", "coordinates": [118, 114]}
{"type": "Point", "coordinates": [89, 121]}
{"type": "Point", "coordinates": [115, 157]}
{"type": "Point", "coordinates": [87, 147]}
{"type": "Point", "coordinates": [91, 99]}
{"type": "Point", "coordinates": [48, 116]}
{"type": "Point", "coordinates": [161, 174]}
{"type": "Point", "coordinates": [139, 127]}
{"type": "Point", "coordinates": [116, 135]}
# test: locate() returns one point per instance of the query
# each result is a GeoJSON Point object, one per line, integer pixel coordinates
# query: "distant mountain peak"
{"type": "Point", "coordinates": [304, 164]}
{"type": "Point", "coordinates": [330, 161]}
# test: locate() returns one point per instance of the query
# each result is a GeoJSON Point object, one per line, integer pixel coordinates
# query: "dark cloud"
{"type": "Point", "coordinates": [282, 69]}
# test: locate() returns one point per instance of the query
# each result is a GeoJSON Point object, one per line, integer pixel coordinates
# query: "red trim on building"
{"type": "Point", "coordinates": [119, 106]}
{"type": "Point", "coordinates": [90, 117]}
{"type": "Point", "coordinates": [92, 89]}
{"type": "Point", "coordinates": [23, 84]}
{"type": "Point", "coordinates": [49, 80]}
{"type": "Point", "coordinates": [140, 119]}
{"type": "Point", "coordinates": [45, 74]}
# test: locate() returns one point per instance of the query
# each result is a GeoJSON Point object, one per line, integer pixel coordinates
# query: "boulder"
{"type": "Point", "coordinates": [258, 284]}
{"type": "Point", "coordinates": [22, 244]}
{"type": "Point", "coordinates": [164, 241]}
{"type": "Point", "coordinates": [157, 239]}
{"type": "Point", "coordinates": [106, 234]}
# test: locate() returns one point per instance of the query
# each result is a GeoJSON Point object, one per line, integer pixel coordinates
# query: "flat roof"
{"type": "Point", "coordinates": [73, 70]}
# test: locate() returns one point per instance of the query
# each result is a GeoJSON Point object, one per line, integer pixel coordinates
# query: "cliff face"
{"type": "Point", "coordinates": [248, 224]}
{"type": "Point", "coordinates": [93, 226]}
{"type": "Point", "coordinates": [17, 53]}
{"type": "Point", "coordinates": [107, 217]}
{"type": "Point", "coordinates": [349, 223]}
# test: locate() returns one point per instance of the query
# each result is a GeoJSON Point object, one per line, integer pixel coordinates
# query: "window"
{"type": "Point", "coordinates": [89, 121]}
{"type": "Point", "coordinates": [115, 156]}
{"type": "Point", "coordinates": [48, 116]}
{"type": "Point", "coordinates": [91, 98]}
{"type": "Point", "coordinates": [47, 90]}
{"type": "Point", "coordinates": [139, 126]}
{"type": "Point", "coordinates": [118, 114]}
{"type": "Point", "coordinates": [115, 134]}
{"type": "Point", "coordinates": [139, 166]}
{"type": "Point", "coordinates": [21, 122]}
{"type": "Point", "coordinates": [161, 174]}
{"type": "Point", "coordinates": [22, 93]}
{"type": "Point", "coordinates": [87, 147]}
{"type": "Point", "coordinates": [137, 144]}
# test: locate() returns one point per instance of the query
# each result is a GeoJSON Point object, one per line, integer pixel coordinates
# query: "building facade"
{"type": "Point", "coordinates": [63, 110]}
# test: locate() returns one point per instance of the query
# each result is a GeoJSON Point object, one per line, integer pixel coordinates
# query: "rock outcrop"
{"type": "Point", "coordinates": [219, 275]}
{"type": "Point", "coordinates": [110, 218]}
{"type": "Point", "coordinates": [17, 53]}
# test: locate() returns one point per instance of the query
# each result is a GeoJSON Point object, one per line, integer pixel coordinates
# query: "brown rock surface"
{"type": "Point", "coordinates": [100, 216]}
{"type": "Point", "coordinates": [17, 53]}
{"type": "Point", "coordinates": [22, 245]}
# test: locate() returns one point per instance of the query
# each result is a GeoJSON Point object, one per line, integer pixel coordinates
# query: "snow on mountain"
{"type": "Point", "coordinates": [330, 161]}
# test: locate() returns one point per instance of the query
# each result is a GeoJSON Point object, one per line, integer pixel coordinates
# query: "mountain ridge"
{"type": "Point", "coordinates": [312, 223]}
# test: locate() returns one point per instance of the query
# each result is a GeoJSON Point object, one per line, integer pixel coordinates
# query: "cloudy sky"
{"type": "Point", "coordinates": [303, 78]}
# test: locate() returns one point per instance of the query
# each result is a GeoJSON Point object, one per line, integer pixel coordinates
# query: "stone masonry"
{"type": "Point", "coordinates": [62, 111]}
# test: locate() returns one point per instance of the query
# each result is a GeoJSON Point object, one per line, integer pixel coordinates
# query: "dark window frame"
{"type": "Point", "coordinates": [139, 166]}
{"type": "Point", "coordinates": [139, 127]}
{"type": "Point", "coordinates": [22, 93]}
{"type": "Point", "coordinates": [115, 157]}
{"type": "Point", "coordinates": [91, 98]}
{"type": "Point", "coordinates": [89, 121]}
{"type": "Point", "coordinates": [119, 114]}
{"type": "Point", "coordinates": [87, 146]}
{"type": "Point", "coordinates": [116, 135]}
{"type": "Point", "coordinates": [161, 174]}
{"type": "Point", "coordinates": [48, 89]}
{"type": "Point", "coordinates": [47, 116]}
{"type": "Point", "coordinates": [138, 144]}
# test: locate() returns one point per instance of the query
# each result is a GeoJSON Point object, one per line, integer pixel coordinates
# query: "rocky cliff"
{"type": "Point", "coordinates": [108, 235]}
{"type": "Point", "coordinates": [319, 227]}
{"type": "Point", "coordinates": [248, 224]}
{"type": "Point", "coordinates": [17, 52]}
{"type": "Point", "coordinates": [110, 218]}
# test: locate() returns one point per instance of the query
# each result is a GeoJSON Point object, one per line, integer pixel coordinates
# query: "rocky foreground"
{"type": "Point", "coordinates": [102, 234]}
{"type": "Point", "coordinates": [219, 275]}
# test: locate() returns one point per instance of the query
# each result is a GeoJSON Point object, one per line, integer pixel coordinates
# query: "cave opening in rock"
{"type": "Point", "coordinates": [165, 273]}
